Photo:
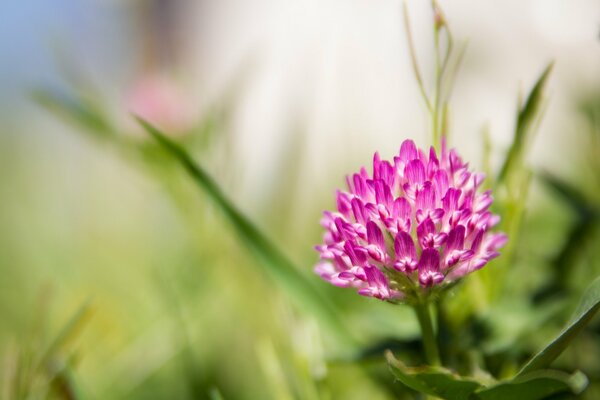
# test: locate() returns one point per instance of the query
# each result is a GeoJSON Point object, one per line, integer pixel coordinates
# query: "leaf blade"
{"type": "Point", "coordinates": [74, 110]}
{"type": "Point", "coordinates": [435, 381]}
{"type": "Point", "coordinates": [572, 196]}
{"type": "Point", "coordinates": [274, 261]}
{"type": "Point", "coordinates": [525, 118]}
{"type": "Point", "coordinates": [68, 331]}
{"type": "Point", "coordinates": [589, 305]}
{"type": "Point", "coordinates": [535, 385]}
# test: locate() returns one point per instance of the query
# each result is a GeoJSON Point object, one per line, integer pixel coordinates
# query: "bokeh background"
{"type": "Point", "coordinates": [278, 101]}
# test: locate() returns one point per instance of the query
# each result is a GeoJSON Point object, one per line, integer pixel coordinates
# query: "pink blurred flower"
{"type": "Point", "coordinates": [416, 222]}
{"type": "Point", "coordinates": [158, 100]}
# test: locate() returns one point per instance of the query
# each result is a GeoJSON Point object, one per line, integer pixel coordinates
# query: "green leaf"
{"type": "Point", "coordinates": [435, 381]}
{"type": "Point", "coordinates": [409, 348]}
{"type": "Point", "coordinates": [589, 305]}
{"type": "Point", "coordinates": [574, 198]}
{"type": "Point", "coordinates": [68, 331]}
{"type": "Point", "coordinates": [442, 383]}
{"type": "Point", "coordinates": [215, 394]}
{"type": "Point", "coordinates": [571, 251]}
{"type": "Point", "coordinates": [64, 385]}
{"type": "Point", "coordinates": [535, 385]}
{"type": "Point", "coordinates": [276, 264]}
{"type": "Point", "coordinates": [74, 110]}
{"type": "Point", "coordinates": [527, 115]}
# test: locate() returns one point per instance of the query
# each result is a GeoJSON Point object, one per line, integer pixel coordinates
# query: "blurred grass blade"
{"type": "Point", "coordinates": [578, 238]}
{"type": "Point", "coordinates": [589, 305]}
{"type": "Point", "coordinates": [74, 110]}
{"type": "Point", "coordinates": [275, 263]}
{"type": "Point", "coordinates": [68, 332]}
{"type": "Point", "coordinates": [535, 385]}
{"type": "Point", "coordinates": [272, 368]}
{"type": "Point", "coordinates": [215, 394]}
{"type": "Point", "coordinates": [574, 198]}
{"type": "Point", "coordinates": [64, 386]}
{"type": "Point", "coordinates": [527, 115]}
{"type": "Point", "coordinates": [408, 348]}
{"type": "Point", "coordinates": [434, 381]}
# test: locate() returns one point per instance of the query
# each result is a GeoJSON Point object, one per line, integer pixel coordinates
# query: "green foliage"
{"type": "Point", "coordinates": [482, 344]}
{"type": "Point", "coordinates": [578, 236]}
{"type": "Point", "coordinates": [533, 380]}
{"type": "Point", "coordinates": [215, 394]}
{"type": "Point", "coordinates": [46, 369]}
{"type": "Point", "coordinates": [442, 383]}
{"type": "Point", "coordinates": [275, 262]}
{"type": "Point", "coordinates": [535, 385]}
{"type": "Point", "coordinates": [74, 109]}
{"type": "Point", "coordinates": [512, 185]}
{"type": "Point", "coordinates": [573, 197]}
{"type": "Point", "coordinates": [589, 305]}
{"type": "Point", "coordinates": [527, 115]}
{"type": "Point", "coordinates": [68, 332]}
{"type": "Point", "coordinates": [435, 381]}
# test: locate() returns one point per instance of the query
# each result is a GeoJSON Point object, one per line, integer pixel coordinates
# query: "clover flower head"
{"type": "Point", "coordinates": [416, 223]}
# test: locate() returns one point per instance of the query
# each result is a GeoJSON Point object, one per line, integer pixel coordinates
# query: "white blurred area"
{"type": "Point", "coordinates": [335, 71]}
{"type": "Point", "coordinates": [342, 66]}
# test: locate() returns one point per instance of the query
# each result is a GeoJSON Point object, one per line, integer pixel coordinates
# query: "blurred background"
{"type": "Point", "coordinates": [119, 279]}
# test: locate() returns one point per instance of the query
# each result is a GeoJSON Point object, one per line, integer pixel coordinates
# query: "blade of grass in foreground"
{"type": "Point", "coordinates": [573, 249]}
{"type": "Point", "coordinates": [68, 331]}
{"type": "Point", "coordinates": [75, 110]}
{"type": "Point", "coordinates": [526, 117]}
{"type": "Point", "coordinates": [276, 264]}
{"type": "Point", "coordinates": [215, 394]}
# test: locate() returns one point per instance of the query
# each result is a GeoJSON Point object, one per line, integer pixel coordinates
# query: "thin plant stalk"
{"type": "Point", "coordinates": [428, 335]}
{"type": "Point", "coordinates": [413, 59]}
{"type": "Point", "coordinates": [437, 104]}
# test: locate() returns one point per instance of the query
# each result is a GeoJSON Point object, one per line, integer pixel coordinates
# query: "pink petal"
{"type": "Point", "coordinates": [433, 165]}
{"type": "Point", "coordinates": [456, 238]}
{"type": "Point", "coordinates": [414, 172]}
{"type": "Point", "coordinates": [374, 235]}
{"type": "Point", "coordinates": [404, 246]}
{"type": "Point", "coordinates": [426, 197]}
{"type": "Point", "coordinates": [429, 268]}
{"type": "Point", "coordinates": [358, 209]}
{"type": "Point", "coordinates": [440, 183]}
{"type": "Point", "coordinates": [343, 203]}
{"type": "Point", "coordinates": [406, 253]}
{"type": "Point", "coordinates": [408, 151]}
{"type": "Point", "coordinates": [450, 200]}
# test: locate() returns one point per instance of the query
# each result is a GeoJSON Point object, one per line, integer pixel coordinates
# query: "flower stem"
{"type": "Point", "coordinates": [429, 340]}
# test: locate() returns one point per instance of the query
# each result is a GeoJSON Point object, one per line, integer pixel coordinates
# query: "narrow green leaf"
{"type": "Point", "coordinates": [527, 115]}
{"type": "Point", "coordinates": [589, 305]}
{"type": "Point", "coordinates": [215, 394]}
{"type": "Point", "coordinates": [535, 385]}
{"type": "Point", "coordinates": [435, 381]}
{"type": "Point", "coordinates": [411, 348]}
{"type": "Point", "coordinates": [64, 385]}
{"type": "Point", "coordinates": [294, 284]}
{"type": "Point", "coordinates": [572, 249]}
{"type": "Point", "coordinates": [68, 331]}
{"type": "Point", "coordinates": [574, 198]}
{"type": "Point", "coordinates": [74, 110]}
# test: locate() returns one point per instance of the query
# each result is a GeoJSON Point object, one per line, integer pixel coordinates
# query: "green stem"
{"type": "Point", "coordinates": [435, 114]}
{"type": "Point", "coordinates": [429, 340]}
